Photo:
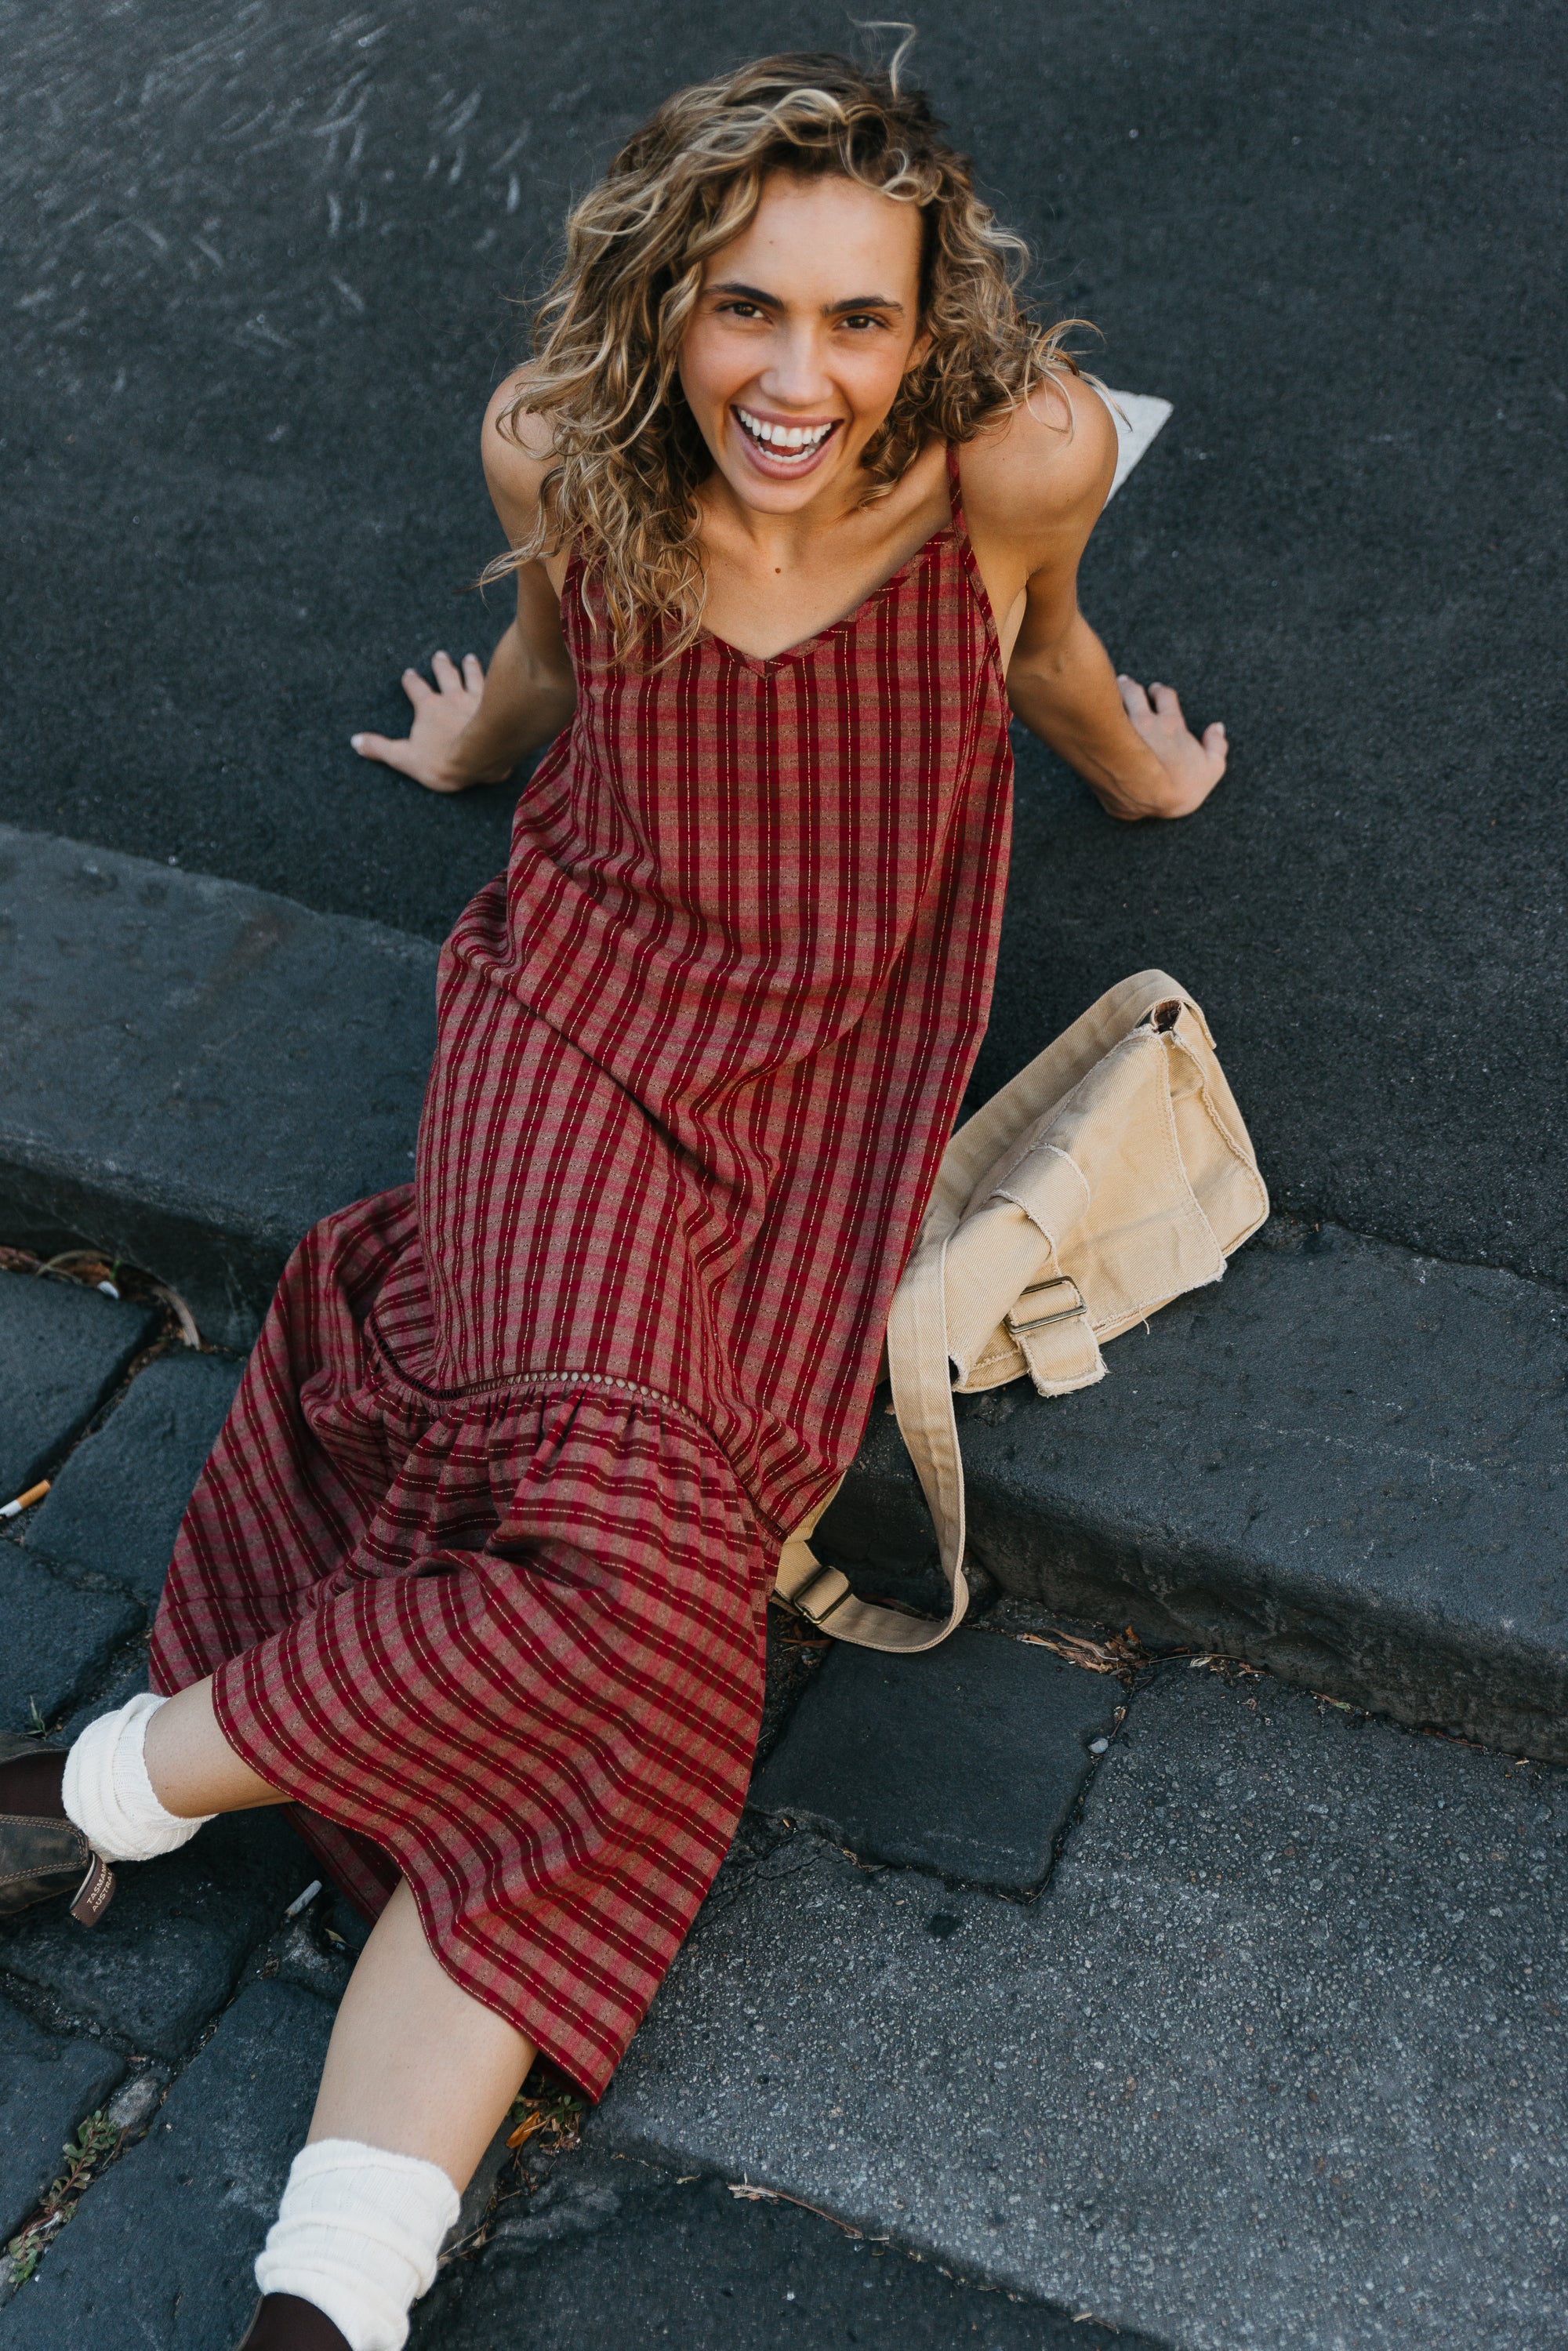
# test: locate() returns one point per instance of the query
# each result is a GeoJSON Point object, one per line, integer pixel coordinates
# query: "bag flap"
{"type": "Point", "coordinates": [992, 1260]}
{"type": "Point", "coordinates": [1101, 1180]}
{"type": "Point", "coordinates": [977, 1146]}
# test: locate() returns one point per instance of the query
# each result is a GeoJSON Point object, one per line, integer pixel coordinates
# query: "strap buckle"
{"type": "Point", "coordinates": [1057, 1311]}
{"type": "Point", "coordinates": [804, 1602]}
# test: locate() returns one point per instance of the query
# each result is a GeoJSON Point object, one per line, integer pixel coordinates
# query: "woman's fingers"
{"type": "Point", "coordinates": [441, 712]}
{"type": "Point", "coordinates": [1135, 701]}
{"type": "Point", "coordinates": [382, 748]}
{"type": "Point", "coordinates": [1167, 703]}
{"type": "Point", "coordinates": [410, 758]}
{"type": "Point", "coordinates": [449, 679]}
{"type": "Point", "coordinates": [1217, 743]}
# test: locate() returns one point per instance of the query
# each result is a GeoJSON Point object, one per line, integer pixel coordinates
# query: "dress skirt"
{"type": "Point", "coordinates": [508, 1647]}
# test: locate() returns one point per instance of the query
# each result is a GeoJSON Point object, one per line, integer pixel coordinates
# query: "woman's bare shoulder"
{"type": "Point", "coordinates": [516, 446]}
{"type": "Point", "coordinates": [1043, 468]}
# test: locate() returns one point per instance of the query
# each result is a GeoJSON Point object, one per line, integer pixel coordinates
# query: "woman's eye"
{"type": "Point", "coordinates": [862, 319]}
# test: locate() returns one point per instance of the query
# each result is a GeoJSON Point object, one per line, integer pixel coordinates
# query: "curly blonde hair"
{"type": "Point", "coordinates": [626, 455]}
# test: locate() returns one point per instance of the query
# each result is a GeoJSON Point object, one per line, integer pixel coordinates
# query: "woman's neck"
{"type": "Point", "coordinates": [774, 581]}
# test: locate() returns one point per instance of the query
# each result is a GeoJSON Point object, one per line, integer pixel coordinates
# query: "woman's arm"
{"type": "Point", "coordinates": [471, 727]}
{"type": "Point", "coordinates": [1033, 494]}
{"type": "Point", "coordinates": [1135, 749]}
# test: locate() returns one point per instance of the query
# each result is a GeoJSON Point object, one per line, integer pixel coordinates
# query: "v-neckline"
{"type": "Point", "coordinates": [845, 621]}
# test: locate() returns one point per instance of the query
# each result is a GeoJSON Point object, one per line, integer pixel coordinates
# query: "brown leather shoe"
{"type": "Point", "coordinates": [283, 2323]}
{"type": "Point", "coordinates": [42, 1856]}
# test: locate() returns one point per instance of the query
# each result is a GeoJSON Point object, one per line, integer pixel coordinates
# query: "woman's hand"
{"type": "Point", "coordinates": [1191, 766]}
{"type": "Point", "coordinates": [431, 752]}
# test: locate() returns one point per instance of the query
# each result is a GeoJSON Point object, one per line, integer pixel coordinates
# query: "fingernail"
{"type": "Point", "coordinates": [355, 741]}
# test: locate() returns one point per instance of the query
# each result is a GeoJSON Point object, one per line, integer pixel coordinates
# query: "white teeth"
{"type": "Point", "coordinates": [786, 440]}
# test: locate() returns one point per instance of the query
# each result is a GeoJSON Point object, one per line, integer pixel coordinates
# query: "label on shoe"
{"type": "Point", "coordinates": [95, 1893]}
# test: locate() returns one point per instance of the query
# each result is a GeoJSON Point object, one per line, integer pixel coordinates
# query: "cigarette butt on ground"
{"type": "Point", "coordinates": [303, 1901]}
{"type": "Point", "coordinates": [24, 1501]}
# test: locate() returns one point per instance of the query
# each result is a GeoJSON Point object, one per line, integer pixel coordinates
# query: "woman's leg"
{"type": "Point", "coordinates": [416, 2065]}
{"type": "Point", "coordinates": [194, 1770]}
{"type": "Point", "coordinates": [418, 2077]}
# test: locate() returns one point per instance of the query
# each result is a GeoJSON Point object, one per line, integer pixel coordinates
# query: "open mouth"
{"type": "Point", "coordinates": [790, 447]}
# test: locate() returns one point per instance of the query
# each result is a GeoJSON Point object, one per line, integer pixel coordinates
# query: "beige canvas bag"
{"type": "Point", "coordinates": [1110, 1175]}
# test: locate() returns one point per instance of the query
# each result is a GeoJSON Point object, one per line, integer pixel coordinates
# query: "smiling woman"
{"type": "Point", "coordinates": [794, 249]}
{"type": "Point", "coordinates": [474, 1578]}
{"type": "Point", "coordinates": [880, 214]}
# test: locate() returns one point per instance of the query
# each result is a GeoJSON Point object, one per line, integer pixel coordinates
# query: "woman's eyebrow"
{"type": "Point", "coordinates": [864, 302]}
{"type": "Point", "coordinates": [747, 294]}
{"type": "Point", "coordinates": [831, 309]}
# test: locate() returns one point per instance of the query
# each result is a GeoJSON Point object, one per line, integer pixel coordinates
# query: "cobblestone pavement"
{"type": "Point", "coordinates": [1036, 2006]}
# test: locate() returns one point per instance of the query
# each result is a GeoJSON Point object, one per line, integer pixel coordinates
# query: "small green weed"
{"type": "Point", "coordinates": [85, 2156]}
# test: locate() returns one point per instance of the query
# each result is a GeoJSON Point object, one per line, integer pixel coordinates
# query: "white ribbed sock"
{"type": "Point", "coordinates": [107, 1795]}
{"type": "Point", "coordinates": [358, 2233]}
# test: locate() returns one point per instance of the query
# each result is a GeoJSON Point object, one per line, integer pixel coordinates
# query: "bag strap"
{"type": "Point", "coordinates": [823, 1596]}
{"type": "Point", "coordinates": [918, 1330]}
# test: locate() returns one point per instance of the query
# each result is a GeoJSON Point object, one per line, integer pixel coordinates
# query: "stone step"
{"type": "Point", "coordinates": [48, 2082]}
{"type": "Point", "coordinates": [599, 2252]}
{"type": "Point", "coordinates": [60, 1639]}
{"type": "Point", "coordinates": [202, 2188]}
{"type": "Point", "coordinates": [169, 1950]}
{"type": "Point", "coordinates": [63, 1350]}
{"type": "Point", "coordinates": [114, 1509]}
{"type": "Point", "coordinates": [192, 1072]}
{"type": "Point", "coordinates": [1278, 2049]}
{"type": "Point", "coordinates": [1348, 1462]}
{"type": "Point", "coordinates": [967, 1758]}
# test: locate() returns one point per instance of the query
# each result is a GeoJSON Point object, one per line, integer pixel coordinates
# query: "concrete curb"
{"type": "Point", "coordinates": [1348, 1463]}
{"type": "Point", "coordinates": [192, 1072]}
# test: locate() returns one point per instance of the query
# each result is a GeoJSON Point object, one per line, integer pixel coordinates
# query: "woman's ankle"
{"type": "Point", "coordinates": [30, 1786]}
{"type": "Point", "coordinates": [107, 1795]}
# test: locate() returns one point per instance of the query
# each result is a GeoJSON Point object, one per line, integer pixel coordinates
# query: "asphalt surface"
{"type": "Point", "coordinates": [1275, 2061]}
{"type": "Point", "coordinates": [258, 264]}
{"type": "Point", "coordinates": [612, 2256]}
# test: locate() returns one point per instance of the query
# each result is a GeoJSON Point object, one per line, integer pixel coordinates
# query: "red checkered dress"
{"type": "Point", "coordinates": [480, 1560]}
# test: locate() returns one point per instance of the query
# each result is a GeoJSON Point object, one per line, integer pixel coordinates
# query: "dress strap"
{"type": "Point", "coordinates": [955, 489]}
{"type": "Point", "coordinates": [965, 551]}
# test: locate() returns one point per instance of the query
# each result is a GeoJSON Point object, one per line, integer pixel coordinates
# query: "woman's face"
{"type": "Point", "coordinates": [804, 329]}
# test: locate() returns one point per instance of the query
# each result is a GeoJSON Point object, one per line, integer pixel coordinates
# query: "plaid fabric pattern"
{"type": "Point", "coordinates": [480, 1557]}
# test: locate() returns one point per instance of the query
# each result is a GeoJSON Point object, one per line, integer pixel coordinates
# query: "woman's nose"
{"type": "Point", "coordinates": [795, 375]}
